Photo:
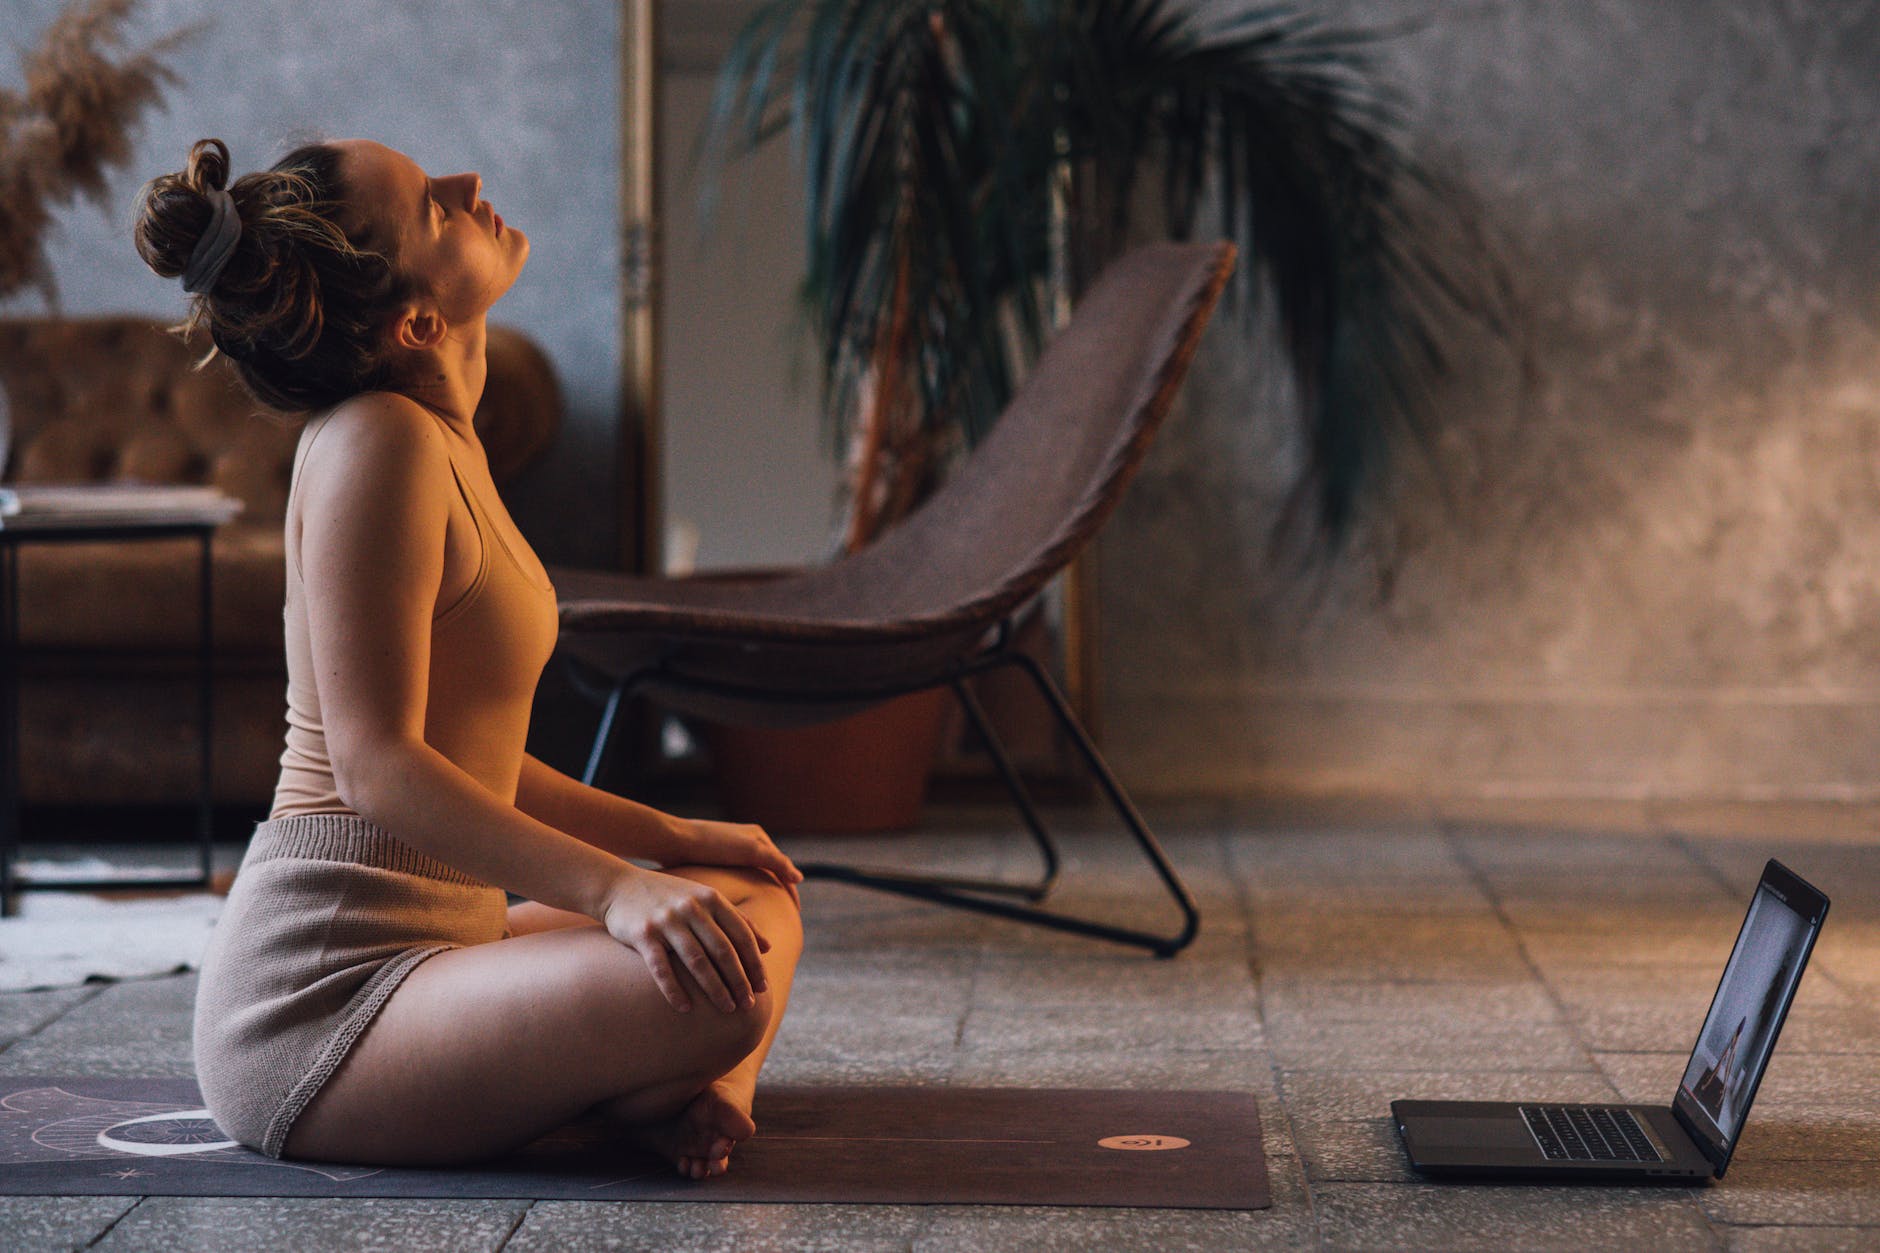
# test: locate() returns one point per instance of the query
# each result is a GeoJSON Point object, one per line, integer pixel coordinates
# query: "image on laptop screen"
{"type": "Point", "coordinates": [1740, 1030]}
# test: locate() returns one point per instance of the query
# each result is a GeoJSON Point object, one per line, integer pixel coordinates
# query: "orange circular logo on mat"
{"type": "Point", "coordinates": [1143, 1144]}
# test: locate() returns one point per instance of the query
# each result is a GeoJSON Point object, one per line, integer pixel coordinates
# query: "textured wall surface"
{"type": "Point", "coordinates": [1645, 568]}
{"type": "Point", "coordinates": [1650, 568]}
{"type": "Point", "coordinates": [524, 93]}
{"type": "Point", "coordinates": [748, 475]}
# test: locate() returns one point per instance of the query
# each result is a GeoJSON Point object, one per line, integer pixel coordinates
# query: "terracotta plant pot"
{"type": "Point", "coordinates": [864, 773]}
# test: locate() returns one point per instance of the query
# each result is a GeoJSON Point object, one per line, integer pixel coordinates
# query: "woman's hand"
{"type": "Point", "coordinates": [702, 842]}
{"type": "Point", "coordinates": [662, 917]}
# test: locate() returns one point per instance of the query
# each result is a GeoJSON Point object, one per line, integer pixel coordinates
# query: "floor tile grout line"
{"type": "Point", "coordinates": [521, 1217]}
{"type": "Point", "coordinates": [1484, 885]}
{"type": "Point", "coordinates": [1860, 1004]}
{"type": "Point", "coordinates": [77, 1004]}
{"type": "Point", "coordinates": [1487, 888]}
{"type": "Point", "coordinates": [972, 996]}
{"type": "Point", "coordinates": [1487, 862]}
{"type": "Point", "coordinates": [1243, 900]}
{"type": "Point", "coordinates": [1684, 844]}
{"type": "Point", "coordinates": [113, 1224]}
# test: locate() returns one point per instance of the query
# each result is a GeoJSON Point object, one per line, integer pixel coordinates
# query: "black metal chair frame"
{"type": "Point", "coordinates": [981, 895]}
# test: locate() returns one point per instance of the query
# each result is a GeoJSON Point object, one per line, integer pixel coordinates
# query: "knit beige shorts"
{"type": "Point", "coordinates": [328, 914]}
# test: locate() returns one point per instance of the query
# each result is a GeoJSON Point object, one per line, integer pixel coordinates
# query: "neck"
{"type": "Point", "coordinates": [449, 378]}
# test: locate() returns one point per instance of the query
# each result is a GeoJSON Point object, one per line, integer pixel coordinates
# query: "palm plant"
{"type": "Point", "coordinates": [971, 165]}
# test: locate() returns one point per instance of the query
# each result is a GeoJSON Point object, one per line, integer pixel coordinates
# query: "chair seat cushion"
{"type": "Point", "coordinates": [746, 629]}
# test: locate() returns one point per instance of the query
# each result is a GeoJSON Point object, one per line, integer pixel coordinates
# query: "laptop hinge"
{"type": "Point", "coordinates": [1697, 1137]}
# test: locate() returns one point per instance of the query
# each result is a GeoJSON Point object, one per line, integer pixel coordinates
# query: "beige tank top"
{"type": "Point", "coordinates": [488, 648]}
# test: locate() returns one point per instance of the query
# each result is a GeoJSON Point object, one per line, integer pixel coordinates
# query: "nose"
{"type": "Point", "coordinates": [473, 189]}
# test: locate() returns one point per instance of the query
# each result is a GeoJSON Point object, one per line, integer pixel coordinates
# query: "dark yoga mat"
{"type": "Point", "coordinates": [935, 1145]}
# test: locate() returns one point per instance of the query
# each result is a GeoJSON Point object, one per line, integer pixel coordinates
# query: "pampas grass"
{"type": "Point", "coordinates": [71, 124]}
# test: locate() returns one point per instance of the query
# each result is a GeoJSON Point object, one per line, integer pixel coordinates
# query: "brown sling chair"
{"type": "Point", "coordinates": [934, 600]}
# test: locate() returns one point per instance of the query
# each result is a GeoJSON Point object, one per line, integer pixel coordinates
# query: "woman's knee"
{"type": "Point", "coordinates": [738, 1037]}
{"type": "Point", "coordinates": [767, 902]}
{"type": "Point", "coordinates": [622, 1000]}
{"type": "Point", "coordinates": [734, 1035]}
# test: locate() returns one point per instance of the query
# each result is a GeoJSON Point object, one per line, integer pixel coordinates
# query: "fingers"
{"type": "Point", "coordinates": [768, 857]}
{"type": "Point", "coordinates": [653, 952]}
{"type": "Point", "coordinates": [705, 953]}
{"type": "Point", "coordinates": [698, 928]}
{"type": "Point", "coordinates": [744, 844]}
{"type": "Point", "coordinates": [750, 945]}
{"type": "Point", "coordinates": [773, 860]}
{"type": "Point", "coordinates": [784, 869]}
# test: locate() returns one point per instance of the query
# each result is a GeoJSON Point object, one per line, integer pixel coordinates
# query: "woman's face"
{"type": "Point", "coordinates": [439, 231]}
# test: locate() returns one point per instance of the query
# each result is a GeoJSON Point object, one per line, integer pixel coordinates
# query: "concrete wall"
{"type": "Point", "coordinates": [1647, 569]}
{"type": "Point", "coordinates": [524, 93]}
{"type": "Point", "coordinates": [749, 477]}
{"type": "Point", "coordinates": [1655, 572]}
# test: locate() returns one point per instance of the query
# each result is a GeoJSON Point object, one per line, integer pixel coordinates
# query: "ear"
{"type": "Point", "coordinates": [417, 328]}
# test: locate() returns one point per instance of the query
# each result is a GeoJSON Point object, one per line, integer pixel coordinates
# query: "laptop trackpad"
{"type": "Point", "coordinates": [1478, 1133]}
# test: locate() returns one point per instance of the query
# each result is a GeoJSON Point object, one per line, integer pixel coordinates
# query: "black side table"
{"type": "Point", "coordinates": [15, 533]}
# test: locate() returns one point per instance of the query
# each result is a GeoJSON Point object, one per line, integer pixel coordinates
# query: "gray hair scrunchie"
{"type": "Point", "coordinates": [216, 246]}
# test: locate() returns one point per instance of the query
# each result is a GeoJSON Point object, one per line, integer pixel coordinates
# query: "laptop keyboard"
{"type": "Point", "coordinates": [1592, 1133]}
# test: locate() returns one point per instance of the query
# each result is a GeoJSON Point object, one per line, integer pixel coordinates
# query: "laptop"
{"type": "Point", "coordinates": [1691, 1139]}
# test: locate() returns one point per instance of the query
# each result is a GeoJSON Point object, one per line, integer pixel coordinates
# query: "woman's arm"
{"type": "Point", "coordinates": [374, 515]}
{"type": "Point", "coordinates": [623, 827]}
{"type": "Point", "coordinates": [627, 828]}
{"type": "Point", "coordinates": [375, 510]}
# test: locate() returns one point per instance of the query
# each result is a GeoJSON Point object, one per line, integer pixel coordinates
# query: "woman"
{"type": "Point", "coordinates": [368, 995]}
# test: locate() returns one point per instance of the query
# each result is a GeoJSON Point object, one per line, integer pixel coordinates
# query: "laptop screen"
{"type": "Point", "coordinates": [1751, 1002]}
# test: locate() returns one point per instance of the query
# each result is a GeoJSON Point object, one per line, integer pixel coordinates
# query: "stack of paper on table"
{"type": "Point", "coordinates": [52, 504]}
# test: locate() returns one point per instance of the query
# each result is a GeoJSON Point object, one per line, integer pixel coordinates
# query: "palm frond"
{"type": "Point", "coordinates": [897, 109]}
{"type": "Point", "coordinates": [929, 132]}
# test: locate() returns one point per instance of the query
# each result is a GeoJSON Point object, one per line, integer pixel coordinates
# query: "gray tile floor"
{"type": "Point", "coordinates": [1348, 956]}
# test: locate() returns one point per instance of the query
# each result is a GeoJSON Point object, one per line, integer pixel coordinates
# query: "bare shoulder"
{"type": "Point", "coordinates": [379, 429]}
{"type": "Point", "coordinates": [378, 447]}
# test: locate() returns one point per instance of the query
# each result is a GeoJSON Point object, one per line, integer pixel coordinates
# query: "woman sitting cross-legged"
{"type": "Point", "coordinates": [368, 994]}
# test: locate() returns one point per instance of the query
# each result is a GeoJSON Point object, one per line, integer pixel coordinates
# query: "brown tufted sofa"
{"type": "Point", "coordinates": [108, 630]}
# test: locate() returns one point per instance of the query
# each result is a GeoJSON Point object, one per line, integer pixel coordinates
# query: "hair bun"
{"type": "Point", "coordinates": [208, 166]}
{"type": "Point", "coordinates": [174, 211]}
{"type": "Point", "coordinates": [279, 286]}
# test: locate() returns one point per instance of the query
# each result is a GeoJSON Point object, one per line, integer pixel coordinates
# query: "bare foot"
{"type": "Point", "coordinates": [698, 1139]}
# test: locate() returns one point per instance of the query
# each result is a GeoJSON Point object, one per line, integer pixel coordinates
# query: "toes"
{"type": "Point", "coordinates": [701, 1167]}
